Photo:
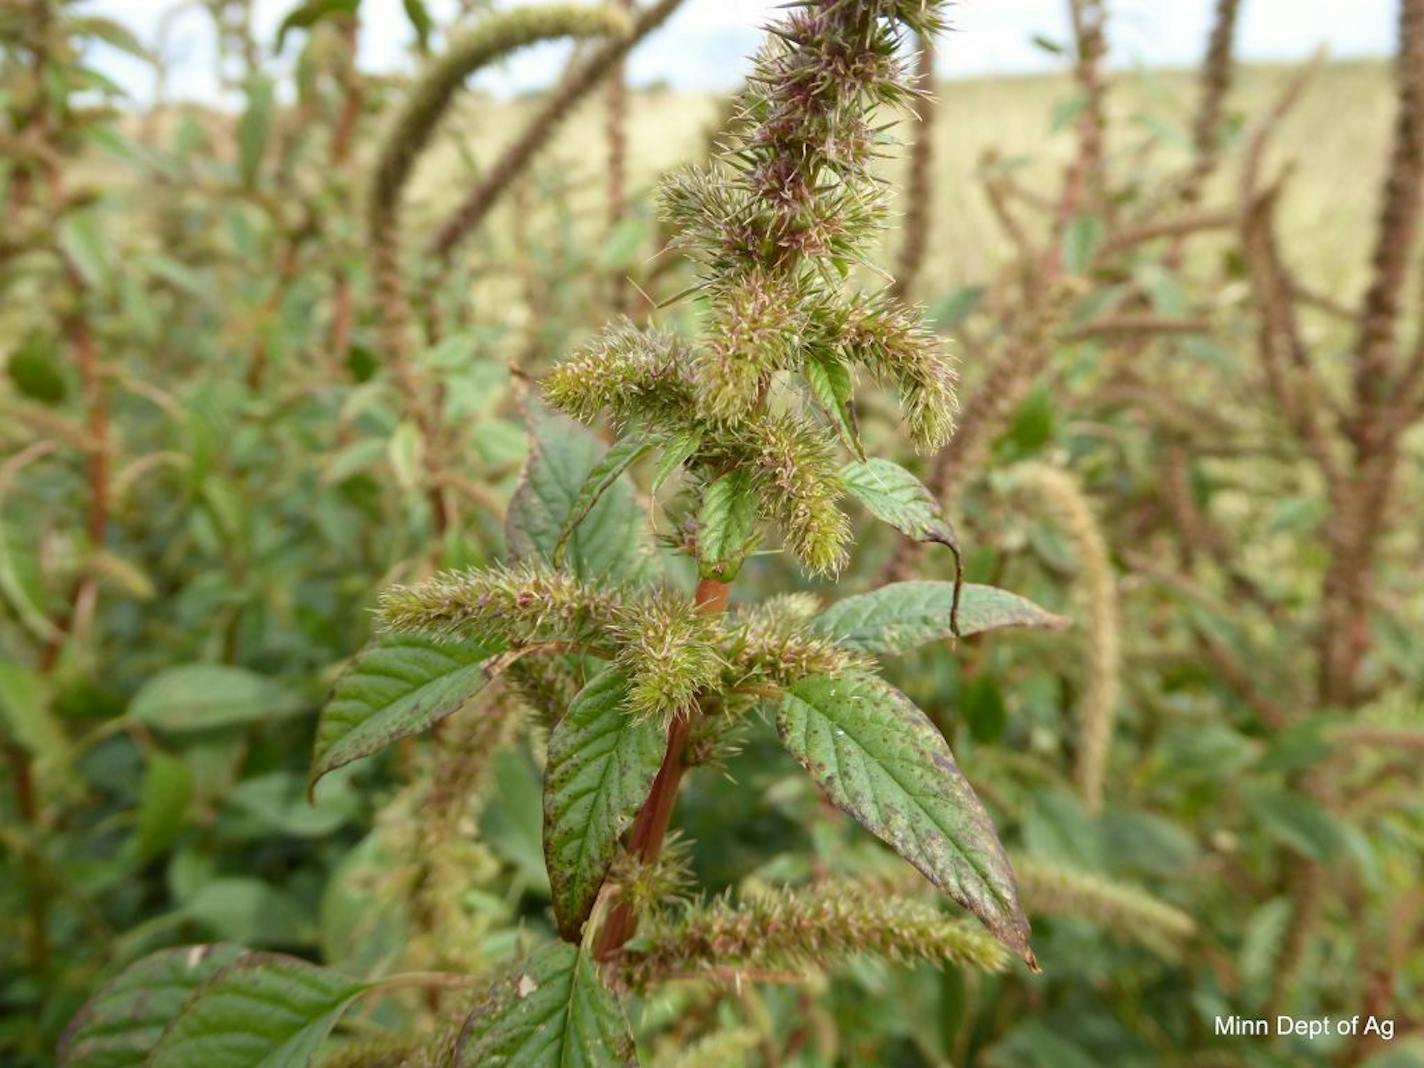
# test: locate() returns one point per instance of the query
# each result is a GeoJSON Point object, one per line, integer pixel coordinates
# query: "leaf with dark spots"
{"type": "Point", "coordinates": [880, 759]}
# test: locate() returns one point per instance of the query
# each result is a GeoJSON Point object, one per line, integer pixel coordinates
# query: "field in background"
{"type": "Point", "coordinates": [1336, 136]}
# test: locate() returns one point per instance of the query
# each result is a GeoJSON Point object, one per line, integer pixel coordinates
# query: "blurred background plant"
{"type": "Point", "coordinates": [1188, 312]}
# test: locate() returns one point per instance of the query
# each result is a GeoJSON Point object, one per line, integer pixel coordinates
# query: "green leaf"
{"type": "Point", "coordinates": [308, 14]}
{"type": "Point", "coordinates": [399, 686]}
{"type": "Point", "coordinates": [602, 763]}
{"type": "Point", "coordinates": [898, 617]}
{"type": "Point", "coordinates": [202, 696]}
{"type": "Point", "coordinates": [511, 820]}
{"type": "Point", "coordinates": [20, 582]}
{"type": "Point", "coordinates": [553, 1011]}
{"type": "Point", "coordinates": [119, 1026]}
{"type": "Point", "coordinates": [605, 474]}
{"type": "Point", "coordinates": [726, 526]}
{"type": "Point", "coordinates": [1081, 238]}
{"type": "Point", "coordinates": [275, 804]}
{"type": "Point", "coordinates": [895, 496]}
{"type": "Point", "coordinates": [625, 242]}
{"type": "Point", "coordinates": [252, 130]}
{"type": "Point", "coordinates": [830, 384]}
{"type": "Point", "coordinates": [250, 912]}
{"type": "Point", "coordinates": [611, 544]}
{"type": "Point", "coordinates": [420, 21]}
{"type": "Point", "coordinates": [877, 757]}
{"type": "Point", "coordinates": [1298, 822]}
{"type": "Point", "coordinates": [82, 240]}
{"type": "Point", "coordinates": [406, 453]}
{"type": "Point", "coordinates": [34, 370]}
{"type": "Point", "coordinates": [163, 803]}
{"type": "Point", "coordinates": [263, 1011]}
{"type": "Point", "coordinates": [676, 452]}
{"type": "Point", "coordinates": [955, 307]}
{"type": "Point", "coordinates": [25, 714]}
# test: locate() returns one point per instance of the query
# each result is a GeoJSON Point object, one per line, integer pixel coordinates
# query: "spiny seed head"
{"type": "Point", "coordinates": [663, 881]}
{"type": "Point", "coordinates": [797, 485]}
{"type": "Point", "coordinates": [759, 323]}
{"type": "Point", "coordinates": [525, 603]}
{"type": "Point", "coordinates": [669, 650]}
{"type": "Point", "coordinates": [773, 644]}
{"type": "Point", "coordinates": [814, 927]}
{"type": "Point", "coordinates": [626, 372]}
{"type": "Point", "coordinates": [890, 340]}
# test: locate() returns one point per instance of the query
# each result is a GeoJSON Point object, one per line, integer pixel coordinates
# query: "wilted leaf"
{"type": "Point", "coordinates": [602, 763]}
{"type": "Point", "coordinates": [877, 757]}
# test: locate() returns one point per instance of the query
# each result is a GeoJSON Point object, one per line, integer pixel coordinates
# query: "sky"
{"type": "Point", "coordinates": [705, 45]}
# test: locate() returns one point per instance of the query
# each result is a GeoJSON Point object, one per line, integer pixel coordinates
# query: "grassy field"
{"type": "Point", "coordinates": [1336, 155]}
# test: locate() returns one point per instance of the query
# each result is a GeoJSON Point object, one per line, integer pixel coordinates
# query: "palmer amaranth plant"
{"type": "Point", "coordinates": [638, 679]}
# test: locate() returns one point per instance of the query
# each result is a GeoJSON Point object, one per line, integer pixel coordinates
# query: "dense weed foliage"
{"type": "Point", "coordinates": [442, 625]}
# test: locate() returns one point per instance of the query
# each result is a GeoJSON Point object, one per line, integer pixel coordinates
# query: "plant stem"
{"type": "Point", "coordinates": [645, 840]}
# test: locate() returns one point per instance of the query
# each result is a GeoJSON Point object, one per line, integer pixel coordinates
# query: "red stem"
{"type": "Point", "coordinates": [645, 839]}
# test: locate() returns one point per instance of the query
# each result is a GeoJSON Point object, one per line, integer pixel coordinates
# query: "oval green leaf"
{"type": "Point", "coordinates": [898, 617]}
{"type": "Point", "coordinates": [880, 759]}
{"type": "Point", "coordinates": [400, 686]}
{"type": "Point", "coordinates": [602, 763]}
{"type": "Point", "coordinates": [202, 696]}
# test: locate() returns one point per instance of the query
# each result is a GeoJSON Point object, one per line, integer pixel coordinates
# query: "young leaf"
{"type": "Point", "coordinates": [726, 526]}
{"type": "Point", "coordinates": [308, 14]}
{"type": "Point", "coordinates": [830, 384]}
{"type": "Point", "coordinates": [877, 757]}
{"type": "Point", "coordinates": [676, 453]}
{"type": "Point", "coordinates": [553, 1011]}
{"type": "Point", "coordinates": [119, 1026]}
{"type": "Point", "coordinates": [263, 1011]}
{"type": "Point", "coordinates": [401, 685]}
{"type": "Point", "coordinates": [610, 545]}
{"type": "Point", "coordinates": [624, 453]}
{"type": "Point", "coordinates": [602, 763]}
{"type": "Point", "coordinates": [898, 617]}
{"type": "Point", "coordinates": [202, 696]}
